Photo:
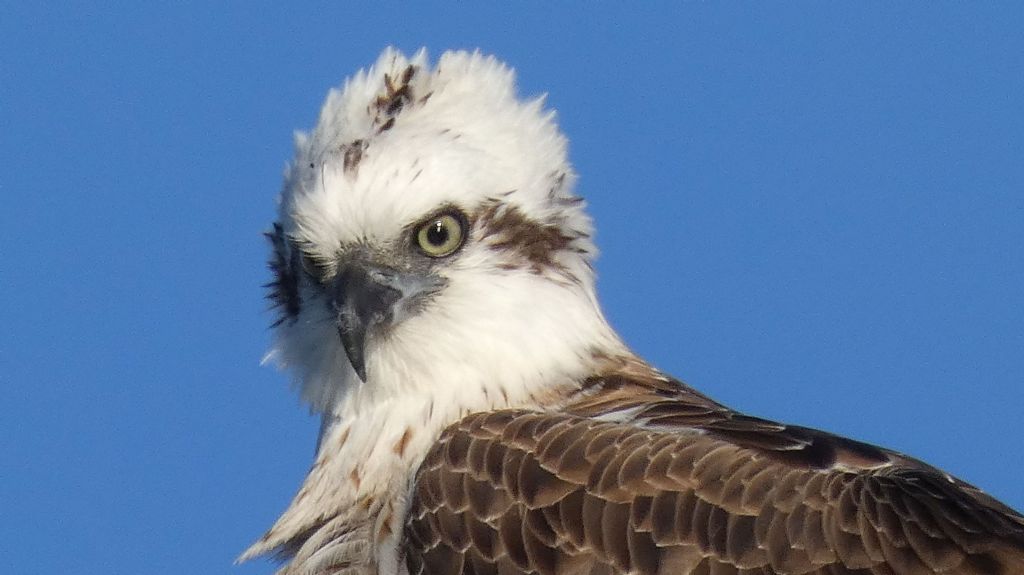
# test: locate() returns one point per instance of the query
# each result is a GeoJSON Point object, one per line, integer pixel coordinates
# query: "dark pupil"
{"type": "Point", "coordinates": [437, 235]}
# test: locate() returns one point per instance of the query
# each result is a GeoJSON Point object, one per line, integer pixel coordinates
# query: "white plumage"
{"type": "Point", "coordinates": [432, 263]}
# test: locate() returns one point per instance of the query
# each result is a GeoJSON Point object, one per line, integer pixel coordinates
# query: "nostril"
{"type": "Point", "coordinates": [366, 292]}
{"type": "Point", "coordinates": [373, 302]}
{"type": "Point", "coordinates": [382, 276]}
{"type": "Point", "coordinates": [388, 295]}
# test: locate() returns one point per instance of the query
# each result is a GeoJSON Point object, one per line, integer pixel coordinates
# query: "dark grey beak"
{"type": "Point", "coordinates": [364, 298]}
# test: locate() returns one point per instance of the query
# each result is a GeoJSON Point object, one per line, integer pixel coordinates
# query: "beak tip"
{"type": "Point", "coordinates": [352, 340]}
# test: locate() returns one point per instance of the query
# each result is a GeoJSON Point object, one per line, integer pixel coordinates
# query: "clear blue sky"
{"type": "Point", "coordinates": [814, 215]}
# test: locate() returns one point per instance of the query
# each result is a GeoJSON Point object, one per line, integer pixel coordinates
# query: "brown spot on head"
{"type": "Point", "coordinates": [352, 154]}
{"type": "Point", "coordinates": [531, 245]}
{"type": "Point", "coordinates": [354, 477]}
{"type": "Point", "coordinates": [397, 93]}
{"type": "Point", "coordinates": [387, 125]}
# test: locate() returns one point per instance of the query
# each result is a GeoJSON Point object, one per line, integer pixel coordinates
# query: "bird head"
{"type": "Point", "coordinates": [428, 237]}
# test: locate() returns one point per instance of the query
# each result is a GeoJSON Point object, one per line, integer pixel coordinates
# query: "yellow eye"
{"type": "Point", "coordinates": [441, 235]}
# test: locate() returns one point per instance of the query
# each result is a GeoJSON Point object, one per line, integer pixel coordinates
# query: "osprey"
{"type": "Point", "coordinates": [435, 282]}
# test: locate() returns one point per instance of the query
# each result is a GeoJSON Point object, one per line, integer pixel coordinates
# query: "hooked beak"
{"type": "Point", "coordinates": [364, 298]}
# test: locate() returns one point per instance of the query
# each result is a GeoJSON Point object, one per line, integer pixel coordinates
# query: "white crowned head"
{"type": "Point", "coordinates": [429, 239]}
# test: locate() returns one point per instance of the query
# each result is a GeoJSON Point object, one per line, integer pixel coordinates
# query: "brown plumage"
{"type": "Point", "coordinates": [641, 474]}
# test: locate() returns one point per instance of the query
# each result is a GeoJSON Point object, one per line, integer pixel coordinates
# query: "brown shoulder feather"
{"type": "Point", "coordinates": [641, 474]}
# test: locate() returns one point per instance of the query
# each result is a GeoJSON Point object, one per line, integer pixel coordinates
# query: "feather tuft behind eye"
{"type": "Point", "coordinates": [284, 288]}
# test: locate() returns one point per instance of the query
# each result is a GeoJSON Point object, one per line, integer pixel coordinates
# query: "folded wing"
{"type": "Point", "coordinates": [655, 479]}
